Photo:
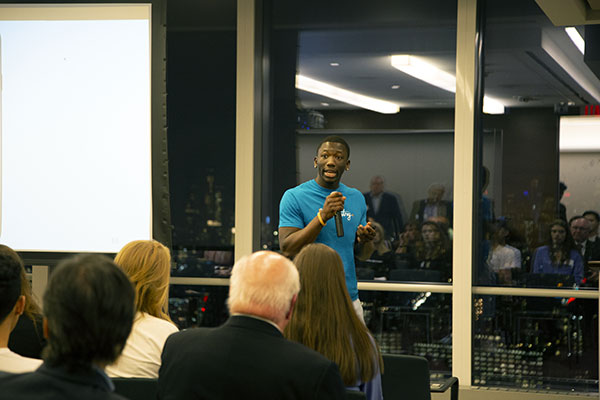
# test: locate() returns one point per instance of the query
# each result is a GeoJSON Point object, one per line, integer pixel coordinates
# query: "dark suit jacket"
{"type": "Point", "coordinates": [418, 210]}
{"type": "Point", "coordinates": [27, 339]}
{"type": "Point", "coordinates": [388, 214]}
{"type": "Point", "coordinates": [245, 358]}
{"type": "Point", "coordinates": [592, 253]}
{"type": "Point", "coordinates": [50, 383]}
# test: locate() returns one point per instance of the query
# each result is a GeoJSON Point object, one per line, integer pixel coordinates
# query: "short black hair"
{"type": "Point", "coordinates": [335, 139]}
{"type": "Point", "coordinates": [562, 187]}
{"type": "Point", "coordinates": [592, 212]}
{"type": "Point", "coordinates": [11, 267]}
{"type": "Point", "coordinates": [89, 306]}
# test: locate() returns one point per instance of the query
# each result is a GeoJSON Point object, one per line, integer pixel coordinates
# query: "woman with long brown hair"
{"type": "Point", "coordinates": [148, 265]}
{"type": "Point", "coordinates": [325, 321]}
{"type": "Point", "coordinates": [434, 250]}
{"type": "Point", "coordinates": [560, 256]}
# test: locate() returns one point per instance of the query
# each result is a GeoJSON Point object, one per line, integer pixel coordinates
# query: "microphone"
{"type": "Point", "coordinates": [339, 225]}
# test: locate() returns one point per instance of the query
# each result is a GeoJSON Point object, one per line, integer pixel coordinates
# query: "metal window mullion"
{"type": "Point", "coordinates": [463, 190]}
{"type": "Point", "coordinates": [248, 127]}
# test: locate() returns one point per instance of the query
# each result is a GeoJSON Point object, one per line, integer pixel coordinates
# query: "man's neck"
{"type": "Point", "coordinates": [324, 185]}
{"type": "Point", "coordinates": [5, 329]}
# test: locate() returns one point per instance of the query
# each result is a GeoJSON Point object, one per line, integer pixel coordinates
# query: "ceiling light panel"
{"type": "Point", "coordinates": [346, 96]}
{"type": "Point", "coordinates": [418, 68]}
{"type": "Point", "coordinates": [576, 38]}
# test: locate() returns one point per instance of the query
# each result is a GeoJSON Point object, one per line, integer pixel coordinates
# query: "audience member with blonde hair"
{"type": "Point", "coordinates": [324, 320]}
{"type": "Point", "coordinates": [148, 264]}
{"type": "Point", "coordinates": [12, 305]}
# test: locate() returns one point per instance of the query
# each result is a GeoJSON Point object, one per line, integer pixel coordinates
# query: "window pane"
{"type": "Point", "coordinates": [401, 161]}
{"type": "Point", "coordinates": [536, 343]}
{"type": "Point", "coordinates": [412, 323]}
{"type": "Point", "coordinates": [526, 236]}
{"type": "Point", "coordinates": [529, 237]}
{"type": "Point", "coordinates": [201, 76]}
{"type": "Point", "coordinates": [195, 306]}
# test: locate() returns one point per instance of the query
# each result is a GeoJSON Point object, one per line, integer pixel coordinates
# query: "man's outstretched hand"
{"type": "Point", "coordinates": [365, 233]}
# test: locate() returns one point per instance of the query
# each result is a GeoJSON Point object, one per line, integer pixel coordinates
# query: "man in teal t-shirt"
{"type": "Point", "coordinates": [306, 212]}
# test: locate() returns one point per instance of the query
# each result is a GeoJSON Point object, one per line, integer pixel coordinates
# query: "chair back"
{"type": "Point", "coordinates": [355, 395]}
{"type": "Point", "coordinates": [136, 388]}
{"type": "Point", "coordinates": [415, 275]}
{"type": "Point", "coordinates": [405, 377]}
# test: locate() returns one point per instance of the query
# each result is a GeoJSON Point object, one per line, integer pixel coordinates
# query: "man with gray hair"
{"type": "Point", "coordinates": [248, 357]}
{"type": "Point", "coordinates": [432, 206]}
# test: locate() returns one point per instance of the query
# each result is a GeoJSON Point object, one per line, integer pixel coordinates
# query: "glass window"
{"type": "Point", "coordinates": [412, 323]}
{"type": "Point", "coordinates": [193, 306]}
{"type": "Point", "coordinates": [201, 76]}
{"type": "Point", "coordinates": [353, 71]}
{"type": "Point", "coordinates": [534, 189]}
{"type": "Point", "coordinates": [338, 73]}
{"type": "Point", "coordinates": [536, 343]}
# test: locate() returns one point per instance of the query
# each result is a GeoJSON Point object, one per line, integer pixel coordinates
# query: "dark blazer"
{"type": "Point", "coordinates": [27, 339]}
{"type": "Point", "coordinates": [418, 210]}
{"type": "Point", "coordinates": [388, 214]}
{"type": "Point", "coordinates": [245, 358]}
{"type": "Point", "coordinates": [592, 253]}
{"type": "Point", "coordinates": [49, 383]}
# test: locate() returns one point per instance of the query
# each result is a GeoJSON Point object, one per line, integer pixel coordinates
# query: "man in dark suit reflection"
{"type": "Point", "coordinates": [248, 357]}
{"type": "Point", "coordinates": [590, 251]}
{"type": "Point", "coordinates": [383, 207]}
{"type": "Point", "coordinates": [432, 206]}
{"type": "Point", "coordinates": [88, 314]}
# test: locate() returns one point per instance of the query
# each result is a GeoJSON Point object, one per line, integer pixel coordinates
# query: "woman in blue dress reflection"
{"type": "Point", "coordinates": [561, 255]}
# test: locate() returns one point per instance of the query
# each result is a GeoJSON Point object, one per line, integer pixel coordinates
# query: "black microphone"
{"type": "Point", "coordinates": [339, 225]}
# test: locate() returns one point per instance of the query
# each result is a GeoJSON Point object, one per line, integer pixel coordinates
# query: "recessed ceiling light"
{"type": "Point", "coordinates": [325, 104]}
{"type": "Point", "coordinates": [576, 38]}
{"type": "Point", "coordinates": [334, 64]}
{"type": "Point", "coordinates": [395, 87]}
{"type": "Point", "coordinates": [337, 93]}
{"type": "Point", "coordinates": [418, 68]}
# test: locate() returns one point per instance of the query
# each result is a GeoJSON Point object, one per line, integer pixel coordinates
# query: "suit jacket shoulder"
{"type": "Point", "coordinates": [247, 358]}
{"type": "Point", "coordinates": [47, 383]}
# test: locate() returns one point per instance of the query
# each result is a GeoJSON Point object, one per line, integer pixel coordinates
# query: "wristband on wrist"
{"type": "Point", "coordinates": [320, 218]}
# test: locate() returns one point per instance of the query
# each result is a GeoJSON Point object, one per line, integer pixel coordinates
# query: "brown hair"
{"type": "Point", "coordinates": [147, 263]}
{"type": "Point", "coordinates": [324, 318]}
{"type": "Point", "coordinates": [439, 248]}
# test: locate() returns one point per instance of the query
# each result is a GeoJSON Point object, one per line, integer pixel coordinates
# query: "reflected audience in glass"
{"type": "Point", "coordinates": [432, 206]}
{"type": "Point", "coordinates": [383, 207]}
{"type": "Point", "coordinates": [559, 257]}
{"type": "Point", "coordinates": [581, 229]}
{"type": "Point", "coordinates": [431, 252]}
{"type": "Point", "coordinates": [503, 259]}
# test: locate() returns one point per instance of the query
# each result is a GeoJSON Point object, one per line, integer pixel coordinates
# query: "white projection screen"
{"type": "Point", "coordinates": [75, 126]}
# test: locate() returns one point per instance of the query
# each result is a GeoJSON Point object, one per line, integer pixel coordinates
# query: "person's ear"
{"type": "Point", "coordinates": [315, 162]}
{"type": "Point", "coordinates": [347, 165]}
{"type": "Point", "coordinates": [45, 328]}
{"type": "Point", "coordinates": [288, 315]}
{"type": "Point", "coordinates": [20, 305]}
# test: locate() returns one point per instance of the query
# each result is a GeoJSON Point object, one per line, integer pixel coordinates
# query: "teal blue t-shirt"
{"type": "Point", "coordinates": [301, 204]}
